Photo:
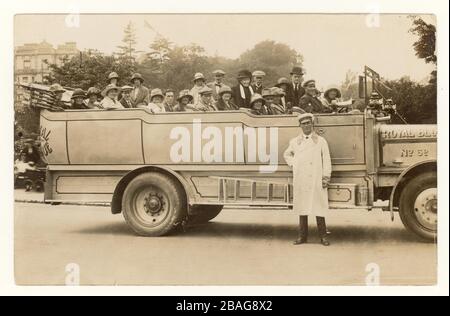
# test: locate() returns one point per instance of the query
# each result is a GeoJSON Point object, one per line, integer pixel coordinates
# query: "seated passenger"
{"type": "Point", "coordinates": [205, 103]}
{"type": "Point", "coordinates": [309, 102]}
{"type": "Point", "coordinates": [140, 94]}
{"type": "Point", "coordinates": [92, 102]}
{"type": "Point", "coordinates": [331, 98]}
{"type": "Point", "coordinates": [169, 100]}
{"type": "Point", "coordinates": [77, 98]}
{"type": "Point", "coordinates": [283, 83]}
{"type": "Point", "coordinates": [156, 104]}
{"type": "Point", "coordinates": [277, 107]}
{"type": "Point", "coordinates": [57, 91]}
{"type": "Point", "coordinates": [268, 97]}
{"type": "Point", "coordinates": [224, 102]}
{"type": "Point", "coordinates": [125, 100]}
{"type": "Point", "coordinates": [184, 102]}
{"type": "Point", "coordinates": [110, 102]}
{"type": "Point", "coordinates": [257, 105]}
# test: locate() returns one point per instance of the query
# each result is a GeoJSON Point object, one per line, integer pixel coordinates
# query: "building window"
{"type": "Point", "coordinates": [26, 64]}
{"type": "Point", "coordinates": [25, 79]}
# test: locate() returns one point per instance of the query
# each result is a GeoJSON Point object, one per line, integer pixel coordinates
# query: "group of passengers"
{"type": "Point", "coordinates": [294, 95]}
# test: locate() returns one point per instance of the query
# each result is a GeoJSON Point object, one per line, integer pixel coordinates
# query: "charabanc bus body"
{"type": "Point", "coordinates": [164, 170]}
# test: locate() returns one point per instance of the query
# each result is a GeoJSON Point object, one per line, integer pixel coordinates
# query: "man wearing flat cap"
{"type": "Point", "coordinates": [258, 78]}
{"type": "Point", "coordinates": [310, 103]}
{"type": "Point", "coordinates": [295, 90]}
{"type": "Point", "coordinates": [309, 156]}
{"type": "Point", "coordinates": [205, 101]}
{"type": "Point", "coordinates": [215, 86]}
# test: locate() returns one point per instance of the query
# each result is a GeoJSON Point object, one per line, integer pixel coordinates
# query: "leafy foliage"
{"type": "Point", "coordinates": [425, 46]}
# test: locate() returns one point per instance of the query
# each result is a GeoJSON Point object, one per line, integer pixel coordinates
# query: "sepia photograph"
{"type": "Point", "coordinates": [251, 149]}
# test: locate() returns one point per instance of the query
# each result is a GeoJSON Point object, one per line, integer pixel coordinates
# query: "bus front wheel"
{"type": "Point", "coordinates": [418, 206]}
{"type": "Point", "coordinates": [154, 204]}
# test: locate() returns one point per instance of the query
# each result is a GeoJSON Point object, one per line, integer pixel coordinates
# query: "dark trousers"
{"type": "Point", "coordinates": [321, 225]}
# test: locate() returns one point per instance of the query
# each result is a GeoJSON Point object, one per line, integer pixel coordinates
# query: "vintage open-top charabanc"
{"type": "Point", "coordinates": [162, 170]}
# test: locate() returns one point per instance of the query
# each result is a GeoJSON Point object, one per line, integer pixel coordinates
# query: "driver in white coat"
{"type": "Point", "coordinates": [309, 156]}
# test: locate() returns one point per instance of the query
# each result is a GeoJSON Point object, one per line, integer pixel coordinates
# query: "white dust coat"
{"type": "Point", "coordinates": [311, 162]}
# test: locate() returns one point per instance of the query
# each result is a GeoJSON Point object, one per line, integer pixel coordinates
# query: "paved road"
{"type": "Point", "coordinates": [240, 247]}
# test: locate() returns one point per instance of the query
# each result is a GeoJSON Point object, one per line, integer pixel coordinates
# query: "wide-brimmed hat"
{"type": "Point", "coordinates": [205, 90]}
{"type": "Point", "coordinates": [156, 93]}
{"type": "Point", "coordinates": [219, 73]}
{"type": "Point", "coordinates": [257, 97]}
{"type": "Point", "coordinates": [267, 92]}
{"type": "Point", "coordinates": [244, 74]}
{"type": "Point", "coordinates": [78, 93]}
{"type": "Point", "coordinates": [282, 81]}
{"type": "Point", "coordinates": [307, 82]}
{"type": "Point", "coordinates": [224, 89]}
{"type": "Point", "coordinates": [258, 73]}
{"type": "Point", "coordinates": [93, 91]}
{"type": "Point", "coordinates": [137, 76]}
{"type": "Point", "coordinates": [109, 88]}
{"type": "Point", "coordinates": [297, 71]}
{"type": "Point", "coordinates": [126, 88]}
{"type": "Point", "coordinates": [183, 94]}
{"type": "Point", "coordinates": [305, 116]}
{"type": "Point", "coordinates": [278, 91]}
{"type": "Point", "coordinates": [338, 92]}
{"type": "Point", "coordinates": [113, 75]}
{"type": "Point", "coordinates": [56, 87]}
{"type": "Point", "coordinates": [199, 76]}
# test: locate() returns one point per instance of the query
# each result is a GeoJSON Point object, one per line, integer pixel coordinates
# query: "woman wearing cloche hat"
{"type": "Point", "coordinates": [242, 92]}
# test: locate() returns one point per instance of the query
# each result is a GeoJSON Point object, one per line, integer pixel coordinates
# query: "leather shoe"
{"type": "Point", "coordinates": [300, 241]}
{"type": "Point", "coordinates": [325, 242]}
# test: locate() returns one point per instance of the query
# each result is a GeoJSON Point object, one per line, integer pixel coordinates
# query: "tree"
{"type": "Point", "coordinates": [90, 69]}
{"type": "Point", "coordinates": [275, 59]}
{"type": "Point", "coordinates": [425, 46]}
{"type": "Point", "coordinates": [128, 49]}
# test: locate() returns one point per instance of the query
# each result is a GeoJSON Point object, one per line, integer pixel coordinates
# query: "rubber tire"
{"type": "Point", "coordinates": [202, 214]}
{"type": "Point", "coordinates": [177, 201]}
{"type": "Point", "coordinates": [407, 198]}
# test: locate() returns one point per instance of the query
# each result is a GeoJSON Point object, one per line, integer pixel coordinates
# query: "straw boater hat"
{"type": "Point", "coordinates": [183, 94]}
{"type": "Point", "coordinates": [109, 88]}
{"type": "Point", "coordinates": [93, 91]}
{"type": "Point", "coordinates": [219, 73]}
{"type": "Point", "coordinates": [225, 89]}
{"type": "Point", "coordinates": [338, 92]}
{"type": "Point", "coordinates": [137, 76]}
{"type": "Point", "coordinates": [305, 117]}
{"type": "Point", "coordinates": [78, 93]}
{"type": "Point", "coordinates": [257, 97]}
{"type": "Point", "coordinates": [199, 76]}
{"type": "Point", "coordinates": [56, 87]}
{"type": "Point", "coordinates": [297, 71]}
{"type": "Point", "coordinates": [258, 73]}
{"type": "Point", "coordinates": [126, 88]}
{"type": "Point", "coordinates": [244, 74]}
{"type": "Point", "coordinates": [205, 90]}
{"type": "Point", "coordinates": [156, 93]}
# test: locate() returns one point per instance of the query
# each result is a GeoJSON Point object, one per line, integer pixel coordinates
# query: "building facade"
{"type": "Point", "coordinates": [32, 60]}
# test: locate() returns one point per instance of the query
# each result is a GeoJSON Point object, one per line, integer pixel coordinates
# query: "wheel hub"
{"type": "Point", "coordinates": [425, 207]}
{"type": "Point", "coordinates": [153, 204]}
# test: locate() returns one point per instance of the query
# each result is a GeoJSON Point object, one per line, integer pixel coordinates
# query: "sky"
{"type": "Point", "coordinates": [330, 44]}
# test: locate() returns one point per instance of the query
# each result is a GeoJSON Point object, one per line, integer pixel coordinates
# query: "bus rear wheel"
{"type": "Point", "coordinates": [154, 204]}
{"type": "Point", "coordinates": [418, 206]}
{"type": "Point", "coordinates": [202, 214]}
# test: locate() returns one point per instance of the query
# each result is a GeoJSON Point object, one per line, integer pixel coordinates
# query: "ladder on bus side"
{"type": "Point", "coordinates": [260, 192]}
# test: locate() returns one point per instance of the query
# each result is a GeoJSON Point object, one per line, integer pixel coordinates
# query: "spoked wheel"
{"type": "Point", "coordinates": [419, 206]}
{"type": "Point", "coordinates": [154, 204]}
